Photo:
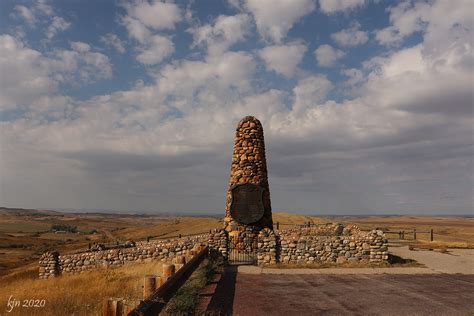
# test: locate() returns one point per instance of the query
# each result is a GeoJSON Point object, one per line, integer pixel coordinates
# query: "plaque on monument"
{"type": "Point", "coordinates": [247, 203]}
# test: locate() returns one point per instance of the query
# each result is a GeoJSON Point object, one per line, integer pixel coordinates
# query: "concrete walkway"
{"type": "Point", "coordinates": [350, 294]}
{"type": "Point", "coordinates": [455, 261]}
{"type": "Point", "coordinates": [444, 287]}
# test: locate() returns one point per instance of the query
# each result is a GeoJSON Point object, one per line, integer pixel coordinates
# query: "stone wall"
{"type": "Point", "coordinates": [49, 265]}
{"type": "Point", "coordinates": [332, 243]}
{"type": "Point", "coordinates": [268, 247]}
{"type": "Point", "coordinates": [309, 246]}
{"type": "Point", "coordinates": [52, 264]}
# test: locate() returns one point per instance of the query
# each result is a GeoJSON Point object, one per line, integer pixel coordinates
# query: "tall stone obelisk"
{"type": "Point", "coordinates": [248, 206]}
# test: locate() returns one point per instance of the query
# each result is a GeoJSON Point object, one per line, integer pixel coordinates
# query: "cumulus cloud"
{"type": "Point", "coordinates": [33, 74]}
{"type": "Point", "coordinates": [334, 6]}
{"type": "Point", "coordinates": [156, 15]}
{"type": "Point", "coordinates": [326, 55]}
{"type": "Point", "coordinates": [25, 13]}
{"type": "Point", "coordinates": [274, 18]}
{"type": "Point", "coordinates": [41, 11]}
{"type": "Point", "coordinates": [355, 76]}
{"type": "Point", "coordinates": [407, 18]}
{"type": "Point", "coordinates": [28, 77]}
{"type": "Point", "coordinates": [283, 59]}
{"type": "Point", "coordinates": [142, 21]}
{"type": "Point", "coordinates": [157, 48]}
{"type": "Point", "coordinates": [403, 143]}
{"type": "Point", "coordinates": [226, 31]}
{"type": "Point", "coordinates": [58, 24]}
{"type": "Point", "coordinates": [112, 40]}
{"type": "Point", "coordinates": [309, 92]}
{"type": "Point", "coordinates": [350, 37]}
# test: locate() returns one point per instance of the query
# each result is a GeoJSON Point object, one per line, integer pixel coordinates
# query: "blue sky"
{"type": "Point", "coordinates": [131, 105]}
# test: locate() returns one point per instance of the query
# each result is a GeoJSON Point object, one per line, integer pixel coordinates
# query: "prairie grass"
{"type": "Point", "coordinates": [80, 294]}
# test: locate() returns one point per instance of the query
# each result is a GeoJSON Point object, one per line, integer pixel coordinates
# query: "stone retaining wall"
{"type": "Point", "coordinates": [49, 265]}
{"type": "Point", "coordinates": [309, 249]}
{"type": "Point", "coordinates": [332, 243]}
{"type": "Point", "coordinates": [52, 264]}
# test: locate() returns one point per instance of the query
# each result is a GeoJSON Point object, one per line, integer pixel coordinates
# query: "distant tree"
{"type": "Point", "coordinates": [67, 228]}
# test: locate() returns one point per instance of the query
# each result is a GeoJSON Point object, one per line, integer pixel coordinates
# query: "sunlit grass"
{"type": "Point", "coordinates": [80, 294]}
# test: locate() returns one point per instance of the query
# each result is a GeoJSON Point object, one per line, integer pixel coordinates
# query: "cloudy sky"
{"type": "Point", "coordinates": [367, 106]}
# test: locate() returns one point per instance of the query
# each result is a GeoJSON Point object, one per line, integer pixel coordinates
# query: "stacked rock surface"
{"type": "Point", "coordinates": [249, 166]}
{"type": "Point", "coordinates": [52, 264]}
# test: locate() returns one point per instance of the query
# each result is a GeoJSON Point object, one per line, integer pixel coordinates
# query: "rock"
{"type": "Point", "coordinates": [341, 260]}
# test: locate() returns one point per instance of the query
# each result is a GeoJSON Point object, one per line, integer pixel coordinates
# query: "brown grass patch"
{"type": "Point", "coordinates": [80, 294]}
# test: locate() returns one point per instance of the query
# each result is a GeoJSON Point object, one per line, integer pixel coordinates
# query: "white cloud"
{"type": "Point", "coordinates": [26, 14]}
{"type": "Point", "coordinates": [34, 12]}
{"type": "Point", "coordinates": [156, 15]}
{"type": "Point", "coordinates": [440, 20]}
{"type": "Point", "coordinates": [352, 36]}
{"type": "Point", "coordinates": [32, 75]}
{"type": "Point", "coordinates": [136, 29]}
{"type": "Point", "coordinates": [334, 6]}
{"type": "Point", "coordinates": [27, 78]}
{"type": "Point", "coordinates": [43, 7]}
{"type": "Point", "coordinates": [221, 78]}
{"type": "Point", "coordinates": [58, 24]}
{"type": "Point", "coordinates": [411, 117]}
{"type": "Point", "coordinates": [326, 55]}
{"type": "Point", "coordinates": [157, 48]}
{"type": "Point", "coordinates": [112, 40]}
{"type": "Point", "coordinates": [41, 12]}
{"type": "Point", "coordinates": [274, 18]}
{"type": "Point", "coordinates": [283, 59]}
{"type": "Point", "coordinates": [142, 20]}
{"type": "Point", "coordinates": [355, 76]}
{"type": "Point", "coordinates": [226, 31]}
{"type": "Point", "coordinates": [310, 92]}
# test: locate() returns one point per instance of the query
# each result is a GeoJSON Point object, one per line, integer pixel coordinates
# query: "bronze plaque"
{"type": "Point", "coordinates": [247, 203]}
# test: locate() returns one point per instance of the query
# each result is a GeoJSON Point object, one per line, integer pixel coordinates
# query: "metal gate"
{"type": "Point", "coordinates": [243, 251]}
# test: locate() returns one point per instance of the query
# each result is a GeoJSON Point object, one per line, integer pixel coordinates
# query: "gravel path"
{"type": "Point", "coordinates": [455, 261]}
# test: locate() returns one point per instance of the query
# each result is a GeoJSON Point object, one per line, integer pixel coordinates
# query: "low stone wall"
{"type": "Point", "coordinates": [310, 249]}
{"type": "Point", "coordinates": [268, 243]}
{"type": "Point", "coordinates": [49, 265]}
{"type": "Point", "coordinates": [218, 241]}
{"type": "Point", "coordinates": [332, 243]}
{"type": "Point", "coordinates": [52, 264]}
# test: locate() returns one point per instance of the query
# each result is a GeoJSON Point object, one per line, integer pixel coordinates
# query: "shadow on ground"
{"type": "Point", "coordinates": [223, 300]}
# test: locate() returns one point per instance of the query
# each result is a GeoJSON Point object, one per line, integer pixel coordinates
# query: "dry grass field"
{"type": "Point", "coordinates": [454, 232]}
{"type": "Point", "coordinates": [80, 294]}
{"type": "Point", "coordinates": [26, 234]}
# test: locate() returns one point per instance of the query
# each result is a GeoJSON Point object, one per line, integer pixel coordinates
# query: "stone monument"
{"type": "Point", "coordinates": [248, 208]}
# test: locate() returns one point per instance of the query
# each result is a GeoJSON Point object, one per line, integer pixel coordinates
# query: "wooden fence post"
{"type": "Point", "coordinates": [414, 233]}
{"type": "Point", "coordinates": [159, 281]}
{"type": "Point", "coordinates": [180, 260]}
{"type": "Point", "coordinates": [149, 285]}
{"type": "Point", "coordinates": [112, 307]}
{"type": "Point", "coordinates": [168, 270]}
{"type": "Point", "coordinates": [431, 234]}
